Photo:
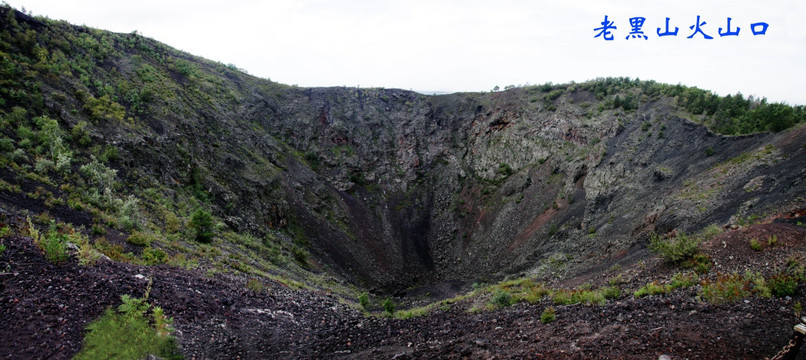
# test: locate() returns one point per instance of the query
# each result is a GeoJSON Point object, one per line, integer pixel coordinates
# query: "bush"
{"type": "Point", "coordinates": [676, 250]}
{"type": "Point", "coordinates": [653, 288]}
{"type": "Point", "coordinates": [104, 109]}
{"type": "Point", "coordinates": [755, 245]}
{"type": "Point", "coordinates": [254, 285]}
{"type": "Point", "coordinates": [127, 334]}
{"type": "Point", "coordinates": [300, 255]}
{"type": "Point", "coordinates": [54, 245]}
{"type": "Point", "coordinates": [760, 287]}
{"type": "Point", "coordinates": [610, 292]}
{"type": "Point", "coordinates": [548, 315]}
{"type": "Point", "coordinates": [584, 296]}
{"type": "Point", "coordinates": [5, 231]}
{"type": "Point", "coordinates": [138, 238]}
{"type": "Point", "coordinates": [783, 284]}
{"type": "Point", "coordinates": [700, 262]}
{"type": "Point", "coordinates": [727, 288]}
{"type": "Point", "coordinates": [501, 298]}
{"type": "Point", "coordinates": [363, 300]}
{"type": "Point", "coordinates": [681, 280]}
{"type": "Point", "coordinates": [388, 306]}
{"type": "Point", "coordinates": [154, 256]}
{"type": "Point", "coordinates": [202, 224]}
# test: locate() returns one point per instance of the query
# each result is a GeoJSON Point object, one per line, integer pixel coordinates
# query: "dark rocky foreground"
{"type": "Point", "coordinates": [45, 308]}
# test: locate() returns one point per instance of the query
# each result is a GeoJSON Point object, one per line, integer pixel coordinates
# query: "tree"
{"type": "Point", "coordinates": [202, 224]}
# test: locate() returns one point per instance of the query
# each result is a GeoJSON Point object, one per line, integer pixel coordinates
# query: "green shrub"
{"type": "Point", "coordinates": [201, 222]}
{"type": "Point", "coordinates": [681, 280]}
{"type": "Point", "coordinates": [363, 300]}
{"type": "Point", "coordinates": [610, 292]}
{"type": "Point", "coordinates": [388, 306]}
{"type": "Point", "coordinates": [727, 288]}
{"type": "Point", "coordinates": [127, 334]}
{"type": "Point", "coordinates": [653, 288]}
{"type": "Point", "coordinates": [81, 134]}
{"type": "Point", "coordinates": [501, 298]}
{"type": "Point", "coordinates": [138, 238]}
{"type": "Point", "coordinates": [98, 229]}
{"type": "Point", "coordinates": [700, 262]}
{"type": "Point", "coordinates": [760, 287]}
{"type": "Point", "coordinates": [772, 240]}
{"type": "Point", "coordinates": [709, 151]}
{"type": "Point", "coordinates": [54, 245]}
{"type": "Point", "coordinates": [710, 232]}
{"type": "Point", "coordinates": [568, 297]}
{"type": "Point", "coordinates": [300, 255]}
{"type": "Point", "coordinates": [104, 109]}
{"type": "Point", "coordinates": [783, 284]}
{"type": "Point", "coordinates": [154, 256]}
{"type": "Point", "coordinates": [548, 315]}
{"type": "Point", "coordinates": [254, 285]}
{"type": "Point", "coordinates": [755, 245]}
{"type": "Point", "coordinates": [505, 170]}
{"type": "Point", "coordinates": [5, 231]}
{"type": "Point", "coordinates": [2, 248]}
{"type": "Point", "coordinates": [6, 144]}
{"type": "Point", "coordinates": [676, 250]}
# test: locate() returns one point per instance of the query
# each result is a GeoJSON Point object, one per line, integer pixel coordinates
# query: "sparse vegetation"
{"type": "Point", "coordinates": [501, 298]}
{"type": "Point", "coordinates": [676, 250]}
{"type": "Point", "coordinates": [726, 288]}
{"type": "Point", "coordinates": [755, 245]}
{"type": "Point", "coordinates": [388, 306]}
{"type": "Point", "coordinates": [255, 285]}
{"type": "Point", "coordinates": [548, 315]}
{"type": "Point", "coordinates": [653, 288]}
{"type": "Point", "coordinates": [363, 300]}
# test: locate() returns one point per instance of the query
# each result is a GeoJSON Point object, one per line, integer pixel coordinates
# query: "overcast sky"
{"type": "Point", "coordinates": [437, 45]}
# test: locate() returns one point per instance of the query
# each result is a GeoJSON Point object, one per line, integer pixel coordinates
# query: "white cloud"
{"type": "Point", "coordinates": [469, 45]}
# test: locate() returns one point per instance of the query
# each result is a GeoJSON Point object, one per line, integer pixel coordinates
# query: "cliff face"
{"type": "Point", "coordinates": [388, 188]}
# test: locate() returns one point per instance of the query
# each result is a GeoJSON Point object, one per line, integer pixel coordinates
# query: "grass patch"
{"type": "Point", "coordinates": [653, 288]}
{"type": "Point", "coordinates": [578, 296]}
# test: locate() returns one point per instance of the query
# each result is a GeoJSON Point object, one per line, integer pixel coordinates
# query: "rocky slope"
{"type": "Point", "coordinates": [391, 188]}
